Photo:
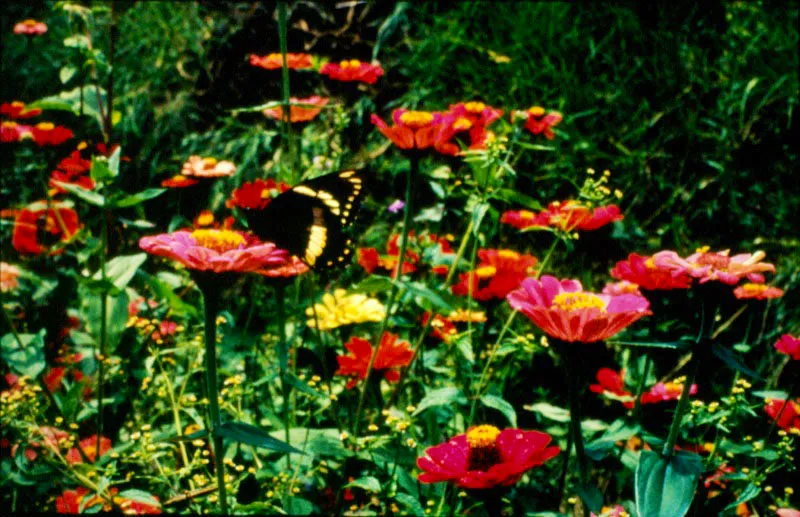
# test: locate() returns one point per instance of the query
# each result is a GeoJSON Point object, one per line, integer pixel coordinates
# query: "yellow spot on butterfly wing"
{"type": "Point", "coordinates": [305, 191]}
{"type": "Point", "coordinates": [347, 174]}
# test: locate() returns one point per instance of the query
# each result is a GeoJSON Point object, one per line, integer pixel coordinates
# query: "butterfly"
{"type": "Point", "coordinates": [311, 219]}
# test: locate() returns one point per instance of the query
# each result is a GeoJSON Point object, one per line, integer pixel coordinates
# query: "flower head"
{"type": "Point", "coordinates": [485, 457]}
{"type": "Point", "coordinates": [665, 391]}
{"type": "Point", "coordinates": [352, 70]}
{"type": "Point", "coordinates": [751, 291]}
{"type": "Point", "coordinates": [612, 511]}
{"type": "Point", "coordinates": [300, 110]}
{"type": "Point", "coordinates": [89, 446]}
{"type": "Point", "coordinates": [219, 251]}
{"type": "Point", "coordinates": [707, 265]}
{"type": "Point", "coordinates": [786, 414]}
{"type": "Point", "coordinates": [422, 130]}
{"type": "Point", "coordinates": [644, 272]}
{"type": "Point", "coordinates": [789, 345]}
{"type": "Point", "coordinates": [479, 116]}
{"type": "Point", "coordinates": [72, 170]}
{"type": "Point", "coordinates": [417, 247]}
{"type": "Point", "coordinates": [37, 227]}
{"type": "Point", "coordinates": [30, 28]}
{"type": "Point", "coordinates": [256, 195]}
{"type": "Point", "coordinates": [563, 310]}
{"type": "Point", "coordinates": [396, 206]}
{"type": "Point", "coordinates": [567, 216]}
{"type": "Point", "coordinates": [391, 357]}
{"type": "Point", "coordinates": [10, 131]}
{"type": "Point", "coordinates": [540, 122]}
{"type": "Point", "coordinates": [199, 167]}
{"type": "Point", "coordinates": [17, 110]}
{"type": "Point", "coordinates": [179, 181]}
{"type": "Point", "coordinates": [47, 133]}
{"type": "Point", "coordinates": [621, 287]}
{"type": "Point", "coordinates": [8, 277]}
{"type": "Point", "coordinates": [340, 309]}
{"type": "Point", "coordinates": [612, 385]}
{"type": "Point", "coordinates": [274, 61]}
{"type": "Point", "coordinates": [498, 273]}
{"type": "Point", "coordinates": [293, 267]}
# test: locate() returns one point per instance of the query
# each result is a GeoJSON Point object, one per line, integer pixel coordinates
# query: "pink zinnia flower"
{"type": "Point", "coordinates": [664, 391]}
{"type": "Point", "coordinates": [621, 287]}
{"type": "Point", "coordinates": [613, 384]}
{"type": "Point", "coordinates": [751, 291]}
{"type": "Point", "coordinates": [30, 28]}
{"type": "Point", "coordinates": [199, 167]}
{"type": "Point", "coordinates": [485, 457]}
{"type": "Point", "coordinates": [644, 272]}
{"type": "Point", "coordinates": [789, 345]}
{"type": "Point", "coordinates": [352, 70]}
{"type": "Point", "coordinates": [294, 267]}
{"type": "Point", "coordinates": [787, 512]}
{"type": "Point", "coordinates": [707, 265]}
{"type": "Point", "coordinates": [789, 417]}
{"type": "Point", "coordinates": [563, 310]}
{"type": "Point", "coordinates": [220, 251]}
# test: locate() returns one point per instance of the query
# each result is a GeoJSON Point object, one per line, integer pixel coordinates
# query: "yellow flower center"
{"type": "Point", "coordinates": [508, 254]}
{"type": "Point", "coordinates": [536, 111]}
{"type": "Point", "coordinates": [755, 289]}
{"type": "Point", "coordinates": [482, 436]}
{"type": "Point", "coordinates": [580, 300]}
{"type": "Point", "coordinates": [82, 146]}
{"type": "Point", "coordinates": [18, 104]}
{"type": "Point", "coordinates": [486, 272]}
{"type": "Point", "coordinates": [416, 119]}
{"type": "Point", "coordinates": [29, 22]}
{"type": "Point", "coordinates": [353, 63]}
{"type": "Point", "coordinates": [474, 107]}
{"type": "Point", "coordinates": [218, 240]}
{"type": "Point", "coordinates": [462, 123]}
{"type": "Point", "coordinates": [45, 126]}
{"type": "Point", "coordinates": [205, 218]}
{"type": "Point", "coordinates": [483, 453]}
{"type": "Point", "coordinates": [9, 124]}
{"type": "Point", "coordinates": [209, 162]}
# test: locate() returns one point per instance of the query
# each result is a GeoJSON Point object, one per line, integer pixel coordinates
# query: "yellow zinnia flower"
{"type": "Point", "coordinates": [340, 309]}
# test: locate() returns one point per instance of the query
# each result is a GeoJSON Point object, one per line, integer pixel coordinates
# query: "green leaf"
{"type": "Point", "coordinates": [411, 503]}
{"type": "Point", "coordinates": [734, 363]}
{"type": "Point", "coordinates": [135, 199]}
{"type": "Point", "coordinates": [163, 291]}
{"type": "Point", "coordinates": [750, 492]}
{"type": "Point", "coordinates": [372, 284]}
{"type": "Point", "coordinates": [436, 299]}
{"type": "Point", "coordinates": [368, 483]}
{"type": "Point", "coordinates": [478, 213]}
{"type": "Point", "coordinates": [772, 394]}
{"type": "Point", "coordinates": [602, 446]}
{"type": "Point", "coordinates": [549, 411]}
{"type": "Point", "coordinates": [675, 345]}
{"type": "Point", "coordinates": [516, 198]}
{"type": "Point", "coordinates": [91, 197]}
{"type": "Point", "coordinates": [591, 496]}
{"type": "Point", "coordinates": [120, 270]}
{"type": "Point", "coordinates": [465, 347]}
{"type": "Point", "coordinates": [28, 359]}
{"type": "Point", "coordinates": [665, 486]}
{"type": "Point", "coordinates": [100, 169]}
{"type": "Point", "coordinates": [501, 405]}
{"type": "Point", "coordinates": [440, 397]}
{"type": "Point", "coordinates": [255, 436]}
{"type": "Point", "coordinates": [140, 496]}
{"type": "Point", "coordinates": [116, 315]}
{"type": "Point", "coordinates": [389, 26]}
{"type": "Point", "coordinates": [66, 73]}
{"type": "Point", "coordinates": [299, 506]}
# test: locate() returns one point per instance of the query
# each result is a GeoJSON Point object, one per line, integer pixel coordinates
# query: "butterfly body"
{"type": "Point", "coordinates": [311, 219]}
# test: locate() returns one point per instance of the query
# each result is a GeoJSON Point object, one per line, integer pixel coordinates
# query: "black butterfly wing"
{"type": "Point", "coordinates": [311, 219]}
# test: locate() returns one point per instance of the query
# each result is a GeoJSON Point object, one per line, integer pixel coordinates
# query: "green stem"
{"type": "Point", "coordinates": [285, 91]}
{"type": "Point", "coordinates": [571, 364]}
{"type": "Point", "coordinates": [637, 405]}
{"type": "Point", "coordinates": [483, 378]}
{"type": "Point", "coordinates": [283, 361]}
{"type": "Point", "coordinates": [211, 304]}
{"type": "Point", "coordinates": [103, 331]}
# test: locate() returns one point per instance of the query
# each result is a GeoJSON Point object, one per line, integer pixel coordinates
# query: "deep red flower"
{"type": "Point", "coordinates": [498, 273]}
{"type": "Point", "coordinates": [256, 195]}
{"type": "Point", "coordinates": [423, 130]}
{"type": "Point", "coordinates": [611, 383]}
{"type": "Point", "coordinates": [300, 110]}
{"type": "Point", "coordinates": [751, 291]}
{"type": "Point", "coordinates": [417, 246]}
{"type": "Point", "coordinates": [37, 223]}
{"type": "Point", "coordinates": [789, 345]}
{"type": "Point", "coordinates": [10, 131]}
{"type": "Point", "coordinates": [485, 457]}
{"type": "Point", "coordinates": [441, 327]}
{"type": "Point", "coordinates": [789, 417]}
{"type": "Point", "coordinates": [644, 272]}
{"type": "Point", "coordinates": [30, 28]}
{"type": "Point", "coordinates": [47, 133]}
{"type": "Point", "coordinates": [352, 70]}
{"type": "Point", "coordinates": [567, 216]}
{"type": "Point", "coordinates": [89, 446]}
{"type": "Point", "coordinates": [391, 357]}
{"type": "Point", "coordinates": [708, 265]}
{"type": "Point", "coordinates": [665, 391]}
{"type": "Point", "coordinates": [56, 177]}
{"type": "Point", "coordinates": [294, 61]}
{"type": "Point", "coordinates": [540, 122]}
{"type": "Point", "coordinates": [71, 501]}
{"type": "Point", "coordinates": [480, 116]}
{"type": "Point", "coordinates": [53, 378]}
{"type": "Point", "coordinates": [16, 110]}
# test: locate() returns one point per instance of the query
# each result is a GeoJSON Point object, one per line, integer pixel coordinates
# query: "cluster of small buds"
{"type": "Point", "coordinates": [595, 191]}
{"type": "Point", "coordinates": [21, 401]}
{"type": "Point", "coordinates": [740, 387]}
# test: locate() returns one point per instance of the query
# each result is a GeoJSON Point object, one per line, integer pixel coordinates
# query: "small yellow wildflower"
{"type": "Point", "coordinates": [339, 309]}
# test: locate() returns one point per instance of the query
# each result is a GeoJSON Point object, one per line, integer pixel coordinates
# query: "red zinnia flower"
{"type": "Point", "coordinates": [10, 131]}
{"type": "Point", "coordinates": [789, 345]}
{"type": "Point", "coordinates": [30, 28]}
{"type": "Point", "coordinates": [256, 195]}
{"type": "Point", "coordinates": [567, 216]}
{"type": "Point", "coordinates": [422, 130]}
{"type": "Point", "coordinates": [441, 327]}
{"type": "Point", "coordinates": [707, 265]}
{"type": "Point", "coordinates": [72, 170]}
{"type": "Point", "coordinates": [130, 507]}
{"type": "Point", "coordinates": [665, 391]}
{"type": "Point", "coordinates": [16, 109]}
{"type": "Point", "coordinates": [52, 379]}
{"type": "Point", "coordinates": [757, 292]}
{"type": "Point", "coordinates": [392, 356]}
{"type": "Point", "coordinates": [89, 446]}
{"type": "Point", "coordinates": [298, 111]}
{"type": "Point", "coordinates": [498, 273]}
{"type": "Point", "coordinates": [56, 177]}
{"type": "Point", "coordinates": [789, 417]}
{"type": "Point", "coordinates": [294, 61]}
{"type": "Point", "coordinates": [47, 133]}
{"type": "Point", "coordinates": [644, 272]}
{"type": "Point", "coordinates": [480, 116]}
{"type": "Point", "coordinates": [485, 457]}
{"type": "Point", "coordinates": [370, 259]}
{"type": "Point", "coordinates": [563, 310]}
{"type": "Point", "coordinates": [179, 181]}
{"type": "Point", "coordinates": [539, 122]}
{"type": "Point", "coordinates": [352, 70]}
{"type": "Point", "coordinates": [612, 384]}
{"type": "Point", "coordinates": [37, 221]}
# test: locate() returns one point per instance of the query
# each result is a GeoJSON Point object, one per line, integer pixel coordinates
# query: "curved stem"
{"type": "Point", "coordinates": [283, 365]}
{"type": "Point", "coordinates": [485, 371]}
{"type": "Point", "coordinates": [103, 332]}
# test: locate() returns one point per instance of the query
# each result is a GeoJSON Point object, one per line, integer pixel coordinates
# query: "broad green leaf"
{"type": "Point", "coordinates": [734, 363]}
{"type": "Point", "coordinates": [411, 503]}
{"type": "Point", "coordinates": [368, 483]}
{"type": "Point", "coordinates": [26, 356]}
{"type": "Point", "coordinates": [116, 315]}
{"type": "Point", "coordinates": [591, 496]}
{"type": "Point", "coordinates": [665, 486]}
{"type": "Point", "coordinates": [372, 284]}
{"type": "Point", "coordinates": [436, 299]}
{"type": "Point", "coordinates": [549, 411]}
{"type": "Point", "coordinates": [465, 347]}
{"type": "Point", "coordinates": [91, 197]}
{"type": "Point", "coordinates": [440, 397]}
{"type": "Point", "coordinates": [299, 506]}
{"type": "Point", "coordinates": [501, 405]}
{"type": "Point", "coordinates": [255, 436]}
{"type": "Point", "coordinates": [66, 73]}
{"type": "Point", "coordinates": [749, 493]}
{"type": "Point", "coordinates": [772, 394]}
{"type": "Point", "coordinates": [135, 199]}
{"type": "Point", "coordinates": [140, 496]}
{"type": "Point", "coordinates": [120, 270]}
{"type": "Point", "coordinates": [100, 170]}
{"type": "Point", "coordinates": [516, 198]}
{"type": "Point", "coordinates": [602, 446]}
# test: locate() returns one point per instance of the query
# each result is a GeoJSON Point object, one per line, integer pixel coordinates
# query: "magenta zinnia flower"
{"type": "Point", "coordinates": [485, 457]}
{"type": "Point", "coordinates": [563, 310]}
{"type": "Point", "coordinates": [218, 251]}
{"type": "Point", "coordinates": [707, 265]}
{"type": "Point", "coordinates": [789, 345]}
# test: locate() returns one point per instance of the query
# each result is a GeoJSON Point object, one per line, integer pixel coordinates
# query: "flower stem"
{"type": "Point", "coordinates": [283, 364]}
{"type": "Point", "coordinates": [103, 331]}
{"type": "Point", "coordinates": [573, 382]}
{"type": "Point", "coordinates": [286, 109]}
{"type": "Point", "coordinates": [211, 303]}
{"type": "Point", "coordinates": [483, 378]}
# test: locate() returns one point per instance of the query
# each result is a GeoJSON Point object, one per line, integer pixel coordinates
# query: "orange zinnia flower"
{"type": "Point", "coordinates": [352, 70]}
{"type": "Point", "coordinates": [498, 273]}
{"type": "Point", "coordinates": [30, 28]}
{"type": "Point", "coordinates": [89, 446]}
{"type": "Point", "coordinates": [422, 130]}
{"type": "Point", "coordinates": [391, 357]}
{"type": "Point", "coordinates": [36, 223]}
{"type": "Point", "coordinates": [295, 61]}
{"type": "Point", "coordinates": [757, 292]}
{"type": "Point", "coordinates": [479, 116]}
{"type": "Point", "coordinates": [179, 181]}
{"type": "Point", "coordinates": [299, 113]}
{"type": "Point", "coordinates": [8, 277]}
{"type": "Point", "coordinates": [16, 109]}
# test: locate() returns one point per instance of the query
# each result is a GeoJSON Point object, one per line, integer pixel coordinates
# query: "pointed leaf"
{"type": "Point", "coordinates": [440, 397]}
{"type": "Point", "coordinates": [501, 405]}
{"type": "Point", "coordinates": [665, 487]}
{"type": "Point", "coordinates": [255, 436]}
{"type": "Point", "coordinates": [91, 197]}
{"type": "Point", "coordinates": [135, 199]}
{"type": "Point", "coordinates": [26, 356]}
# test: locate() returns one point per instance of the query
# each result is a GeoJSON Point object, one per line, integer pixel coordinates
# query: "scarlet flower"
{"type": "Point", "coordinates": [370, 259]}
{"type": "Point", "coordinates": [789, 417]}
{"type": "Point", "coordinates": [422, 130]}
{"type": "Point", "coordinates": [621, 287]}
{"type": "Point", "coordinates": [89, 446]}
{"type": "Point", "coordinates": [130, 507]}
{"type": "Point", "coordinates": [219, 251]}
{"type": "Point", "coordinates": [665, 391]}
{"type": "Point", "coordinates": [74, 164]}
{"type": "Point", "coordinates": [294, 61]}
{"type": "Point", "coordinates": [644, 272]}
{"type": "Point", "coordinates": [10, 131]}
{"type": "Point", "coordinates": [352, 70]}
{"type": "Point", "coordinates": [717, 477]}
{"type": "Point", "coordinates": [16, 110]}
{"type": "Point", "coordinates": [441, 327]}
{"type": "Point", "coordinates": [612, 384]}
{"type": "Point", "coordinates": [30, 28]}
{"type": "Point", "coordinates": [479, 116]}
{"type": "Point", "coordinates": [256, 195]}
{"type": "Point", "coordinates": [179, 181]}
{"type": "Point", "coordinates": [540, 122]}
{"type": "Point", "coordinates": [498, 273]}
{"type": "Point", "coordinates": [298, 109]}
{"type": "Point", "coordinates": [47, 133]}
{"type": "Point", "coordinates": [199, 167]}
{"type": "Point", "coordinates": [567, 216]}
{"type": "Point", "coordinates": [757, 292]}
{"type": "Point", "coordinates": [36, 223]}
{"type": "Point", "coordinates": [391, 357]}
{"type": "Point", "coordinates": [485, 457]}
{"type": "Point", "coordinates": [707, 265]}
{"type": "Point", "coordinates": [53, 378]}
{"type": "Point", "coordinates": [8, 277]}
{"type": "Point", "coordinates": [563, 310]}
{"type": "Point", "coordinates": [789, 345]}
{"type": "Point", "coordinates": [56, 177]}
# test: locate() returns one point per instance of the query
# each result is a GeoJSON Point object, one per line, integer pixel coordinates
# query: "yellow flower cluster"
{"type": "Point", "coordinates": [340, 309]}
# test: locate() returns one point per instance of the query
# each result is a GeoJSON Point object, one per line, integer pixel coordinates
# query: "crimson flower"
{"type": "Point", "coordinates": [300, 110]}
{"type": "Point", "coordinates": [644, 272]}
{"type": "Point", "coordinates": [53, 378]}
{"type": "Point", "coordinates": [47, 133]}
{"type": "Point", "coordinates": [72, 170]}
{"type": "Point", "coordinates": [498, 273]}
{"type": "Point", "coordinates": [665, 391]}
{"type": "Point", "coordinates": [370, 259]}
{"type": "Point", "coordinates": [256, 195]}
{"type": "Point", "coordinates": [391, 357]}
{"type": "Point", "coordinates": [707, 265]}
{"type": "Point", "coordinates": [37, 227]}
{"type": "Point", "coordinates": [789, 417]}
{"type": "Point", "coordinates": [540, 122]}
{"type": "Point", "coordinates": [352, 70]}
{"type": "Point", "coordinates": [30, 27]}
{"type": "Point", "coordinates": [10, 131]}
{"type": "Point", "coordinates": [789, 345]}
{"type": "Point", "coordinates": [612, 384]}
{"type": "Point", "coordinates": [751, 291]}
{"type": "Point", "coordinates": [89, 446]}
{"type": "Point", "coordinates": [422, 130]}
{"type": "Point", "coordinates": [479, 116]}
{"type": "Point", "coordinates": [17, 110]}
{"type": "Point", "coordinates": [71, 501]}
{"type": "Point", "coordinates": [274, 61]}
{"type": "Point", "coordinates": [567, 216]}
{"type": "Point", "coordinates": [441, 327]}
{"type": "Point", "coordinates": [218, 251]}
{"type": "Point", "coordinates": [563, 310]}
{"type": "Point", "coordinates": [485, 457]}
